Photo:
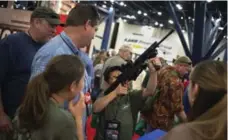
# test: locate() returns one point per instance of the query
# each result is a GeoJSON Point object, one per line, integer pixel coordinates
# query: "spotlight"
{"type": "Point", "coordinates": [104, 6]}
{"type": "Point", "coordinates": [139, 12]}
{"type": "Point", "coordinates": [159, 13]}
{"type": "Point", "coordinates": [170, 21]}
{"type": "Point", "coordinates": [179, 6]}
{"type": "Point", "coordinates": [145, 14]}
{"type": "Point", "coordinates": [125, 20]}
{"type": "Point", "coordinates": [182, 17]}
{"type": "Point", "coordinates": [209, 1]}
{"type": "Point", "coordinates": [121, 3]}
{"type": "Point", "coordinates": [133, 17]}
{"type": "Point", "coordinates": [161, 25]}
{"type": "Point", "coordinates": [156, 23]}
{"type": "Point", "coordinates": [220, 28]}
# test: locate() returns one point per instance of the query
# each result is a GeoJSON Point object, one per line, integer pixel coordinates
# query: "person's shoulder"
{"type": "Point", "coordinates": [53, 43]}
{"type": "Point", "coordinates": [53, 47]}
{"type": "Point", "coordinates": [86, 57]}
{"type": "Point", "coordinates": [179, 132]}
{"type": "Point", "coordinates": [12, 38]}
{"type": "Point", "coordinates": [58, 116]}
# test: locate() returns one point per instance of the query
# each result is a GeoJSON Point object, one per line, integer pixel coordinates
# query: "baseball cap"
{"type": "Point", "coordinates": [183, 60]}
{"type": "Point", "coordinates": [46, 13]}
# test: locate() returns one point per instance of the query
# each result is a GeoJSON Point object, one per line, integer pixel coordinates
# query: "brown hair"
{"type": "Point", "coordinates": [81, 13]}
{"type": "Point", "coordinates": [60, 73]}
{"type": "Point", "coordinates": [211, 78]}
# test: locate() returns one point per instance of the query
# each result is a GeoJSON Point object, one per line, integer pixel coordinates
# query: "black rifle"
{"type": "Point", "coordinates": [131, 71]}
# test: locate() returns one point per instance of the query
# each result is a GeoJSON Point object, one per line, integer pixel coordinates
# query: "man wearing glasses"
{"type": "Point", "coordinates": [80, 28]}
{"type": "Point", "coordinates": [16, 55]}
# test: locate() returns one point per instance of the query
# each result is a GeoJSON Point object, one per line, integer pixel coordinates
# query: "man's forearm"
{"type": "Point", "coordinates": [151, 85]}
{"type": "Point", "coordinates": [102, 102]}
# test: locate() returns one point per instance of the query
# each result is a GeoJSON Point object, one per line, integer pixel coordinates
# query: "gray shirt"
{"type": "Point", "coordinates": [124, 109]}
{"type": "Point", "coordinates": [59, 125]}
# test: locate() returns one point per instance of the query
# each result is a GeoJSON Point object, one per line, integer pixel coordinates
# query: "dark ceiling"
{"type": "Point", "coordinates": [157, 13]}
{"type": "Point", "coordinates": [128, 10]}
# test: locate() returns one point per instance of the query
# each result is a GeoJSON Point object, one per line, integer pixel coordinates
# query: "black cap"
{"type": "Point", "coordinates": [46, 13]}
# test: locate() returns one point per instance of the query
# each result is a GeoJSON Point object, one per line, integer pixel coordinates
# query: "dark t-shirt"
{"type": "Point", "coordinates": [16, 55]}
{"type": "Point", "coordinates": [126, 109]}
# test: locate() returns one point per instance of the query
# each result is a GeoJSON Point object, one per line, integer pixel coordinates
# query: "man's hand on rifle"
{"type": "Point", "coordinates": [154, 64]}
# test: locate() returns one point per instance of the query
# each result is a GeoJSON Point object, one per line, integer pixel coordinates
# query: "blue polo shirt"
{"type": "Point", "coordinates": [16, 55]}
{"type": "Point", "coordinates": [60, 45]}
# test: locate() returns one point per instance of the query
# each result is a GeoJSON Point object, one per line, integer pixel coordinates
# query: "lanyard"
{"type": "Point", "coordinates": [75, 52]}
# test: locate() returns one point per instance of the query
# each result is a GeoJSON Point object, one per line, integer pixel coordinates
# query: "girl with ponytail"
{"type": "Point", "coordinates": [41, 115]}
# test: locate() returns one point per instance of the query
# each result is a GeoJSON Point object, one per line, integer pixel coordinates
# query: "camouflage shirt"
{"type": "Point", "coordinates": [169, 101]}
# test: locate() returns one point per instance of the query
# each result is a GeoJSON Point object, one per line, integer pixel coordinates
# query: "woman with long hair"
{"type": "Point", "coordinates": [41, 115]}
{"type": "Point", "coordinates": [208, 99]}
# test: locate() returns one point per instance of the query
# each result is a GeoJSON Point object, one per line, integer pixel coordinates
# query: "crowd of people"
{"type": "Point", "coordinates": [44, 78]}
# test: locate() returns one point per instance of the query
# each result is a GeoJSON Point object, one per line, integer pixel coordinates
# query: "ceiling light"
{"type": "Point", "coordinates": [193, 19]}
{"type": "Point", "coordinates": [112, 1]}
{"type": "Point", "coordinates": [220, 28]}
{"type": "Point", "coordinates": [159, 13]}
{"type": "Point", "coordinates": [209, 1]}
{"type": "Point", "coordinates": [179, 6]}
{"type": "Point", "coordinates": [170, 21]}
{"type": "Point", "coordinates": [105, 2]}
{"type": "Point", "coordinates": [156, 23]}
{"type": "Point", "coordinates": [161, 25]}
{"type": "Point", "coordinates": [145, 14]}
{"type": "Point", "coordinates": [133, 17]}
{"type": "Point", "coordinates": [189, 17]}
{"type": "Point", "coordinates": [125, 20]}
{"type": "Point", "coordinates": [127, 16]}
{"type": "Point", "coordinates": [139, 12]}
{"type": "Point", "coordinates": [212, 19]}
{"type": "Point", "coordinates": [104, 6]}
{"type": "Point", "coordinates": [111, 9]}
{"type": "Point", "coordinates": [218, 20]}
{"type": "Point", "coordinates": [121, 3]}
{"type": "Point", "coordinates": [119, 19]}
{"type": "Point", "coordinates": [183, 31]}
{"type": "Point", "coordinates": [125, 5]}
{"type": "Point", "coordinates": [182, 17]}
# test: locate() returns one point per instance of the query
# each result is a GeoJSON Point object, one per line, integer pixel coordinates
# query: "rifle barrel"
{"type": "Point", "coordinates": [165, 37]}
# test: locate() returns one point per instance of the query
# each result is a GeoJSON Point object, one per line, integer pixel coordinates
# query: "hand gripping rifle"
{"type": "Point", "coordinates": [131, 71]}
